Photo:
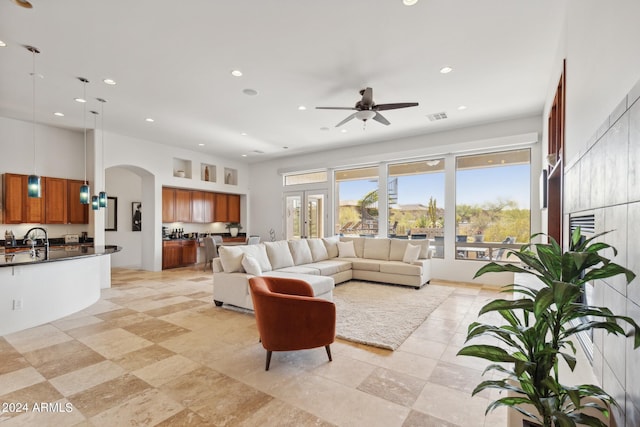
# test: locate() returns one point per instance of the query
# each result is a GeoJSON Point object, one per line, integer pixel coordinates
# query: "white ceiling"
{"type": "Point", "coordinates": [172, 62]}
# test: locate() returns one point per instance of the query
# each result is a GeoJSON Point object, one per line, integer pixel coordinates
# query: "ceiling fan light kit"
{"type": "Point", "coordinates": [366, 109]}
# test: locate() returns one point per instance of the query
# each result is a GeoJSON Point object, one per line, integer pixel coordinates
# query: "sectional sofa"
{"type": "Point", "coordinates": [320, 262]}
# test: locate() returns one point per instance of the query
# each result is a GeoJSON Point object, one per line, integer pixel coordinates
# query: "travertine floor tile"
{"type": "Point", "coordinates": [104, 396]}
{"type": "Point", "coordinates": [90, 376]}
{"type": "Point", "coordinates": [147, 408]}
{"type": "Point", "coordinates": [35, 338]}
{"type": "Point", "coordinates": [15, 380]}
{"type": "Point", "coordinates": [145, 356]}
{"type": "Point", "coordinates": [166, 370]}
{"type": "Point", "coordinates": [115, 342]}
{"type": "Point", "coordinates": [277, 413]}
{"type": "Point", "coordinates": [393, 386]}
{"type": "Point", "coordinates": [155, 330]}
{"type": "Point", "coordinates": [60, 359]}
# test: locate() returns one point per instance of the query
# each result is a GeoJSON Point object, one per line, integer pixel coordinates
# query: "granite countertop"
{"type": "Point", "coordinates": [56, 253]}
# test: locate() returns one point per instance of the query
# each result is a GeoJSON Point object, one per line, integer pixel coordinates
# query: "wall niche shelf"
{"type": "Point", "coordinates": [181, 168]}
{"type": "Point", "coordinates": [207, 172]}
{"type": "Point", "coordinates": [230, 176]}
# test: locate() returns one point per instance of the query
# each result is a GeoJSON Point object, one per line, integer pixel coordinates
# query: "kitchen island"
{"type": "Point", "coordinates": [63, 280]}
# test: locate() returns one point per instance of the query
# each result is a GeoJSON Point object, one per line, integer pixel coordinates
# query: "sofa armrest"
{"type": "Point", "coordinates": [217, 265]}
{"type": "Point", "coordinates": [422, 262]}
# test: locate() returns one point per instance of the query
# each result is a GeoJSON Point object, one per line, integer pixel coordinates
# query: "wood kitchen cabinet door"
{"type": "Point", "coordinates": [221, 203]}
{"type": "Point", "coordinates": [55, 200]}
{"type": "Point", "coordinates": [209, 206]}
{"type": "Point", "coordinates": [233, 208]}
{"type": "Point", "coordinates": [171, 254]}
{"type": "Point", "coordinates": [77, 213]}
{"type": "Point", "coordinates": [183, 205]}
{"type": "Point", "coordinates": [18, 207]}
{"type": "Point", "coordinates": [168, 205]}
{"type": "Point", "coordinates": [197, 206]}
{"type": "Point", "coordinates": [189, 252]}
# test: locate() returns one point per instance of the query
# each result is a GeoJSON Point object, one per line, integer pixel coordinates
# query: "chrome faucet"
{"type": "Point", "coordinates": [32, 241]}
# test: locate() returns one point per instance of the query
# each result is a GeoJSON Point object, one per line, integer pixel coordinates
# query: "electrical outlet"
{"type": "Point", "coordinates": [17, 304]}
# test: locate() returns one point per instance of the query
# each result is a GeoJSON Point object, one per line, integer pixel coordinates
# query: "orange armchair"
{"type": "Point", "coordinates": [289, 317]}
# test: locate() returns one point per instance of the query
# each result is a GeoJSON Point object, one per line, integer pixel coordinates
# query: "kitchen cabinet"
{"type": "Point", "coordinates": [18, 207]}
{"type": "Point", "coordinates": [183, 205]}
{"type": "Point", "coordinates": [171, 254]}
{"type": "Point", "coordinates": [77, 213]}
{"type": "Point", "coordinates": [221, 203]}
{"type": "Point", "coordinates": [179, 253]}
{"type": "Point", "coordinates": [55, 200]}
{"type": "Point", "coordinates": [209, 206]}
{"type": "Point", "coordinates": [233, 208]}
{"type": "Point", "coordinates": [197, 206]}
{"type": "Point", "coordinates": [168, 204]}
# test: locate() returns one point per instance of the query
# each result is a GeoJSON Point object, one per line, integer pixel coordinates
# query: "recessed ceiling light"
{"type": "Point", "coordinates": [2, 44]}
{"type": "Point", "coordinates": [301, 107]}
{"type": "Point", "coordinates": [236, 73]}
{"type": "Point", "coordinates": [285, 147]}
{"type": "Point", "coordinates": [243, 134]}
{"type": "Point", "coordinates": [446, 70]}
{"type": "Point", "coordinates": [59, 114]}
{"type": "Point", "coordinates": [81, 100]}
{"type": "Point", "coordinates": [462, 107]}
{"type": "Point", "coordinates": [201, 144]}
{"type": "Point", "coordinates": [344, 131]}
{"type": "Point", "coordinates": [409, 2]}
{"type": "Point", "coordinates": [250, 92]}
{"type": "Point", "coordinates": [149, 119]}
{"type": "Point", "coordinates": [109, 81]}
{"type": "Point", "coordinates": [244, 155]}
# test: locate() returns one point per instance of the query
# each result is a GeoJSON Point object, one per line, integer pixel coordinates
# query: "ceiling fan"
{"type": "Point", "coordinates": [366, 109]}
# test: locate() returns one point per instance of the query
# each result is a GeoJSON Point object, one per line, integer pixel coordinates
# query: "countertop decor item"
{"type": "Point", "coordinates": [234, 228]}
{"type": "Point", "coordinates": [537, 329]}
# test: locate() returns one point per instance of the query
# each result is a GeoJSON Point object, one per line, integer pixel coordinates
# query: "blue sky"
{"type": "Point", "coordinates": [474, 186]}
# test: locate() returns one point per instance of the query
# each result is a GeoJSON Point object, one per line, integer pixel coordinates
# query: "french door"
{"type": "Point", "coordinates": [305, 214]}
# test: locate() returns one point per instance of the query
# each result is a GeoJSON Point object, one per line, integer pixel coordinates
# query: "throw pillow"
{"type": "Point", "coordinates": [231, 259]}
{"type": "Point", "coordinates": [279, 254]}
{"type": "Point", "coordinates": [331, 244]}
{"type": "Point", "coordinates": [300, 251]}
{"type": "Point", "coordinates": [259, 252]}
{"type": "Point", "coordinates": [318, 250]}
{"type": "Point", "coordinates": [346, 250]}
{"type": "Point", "coordinates": [251, 265]}
{"type": "Point", "coordinates": [411, 254]}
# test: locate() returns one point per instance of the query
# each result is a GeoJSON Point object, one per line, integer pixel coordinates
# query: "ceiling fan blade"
{"type": "Point", "coordinates": [352, 116]}
{"type": "Point", "coordinates": [380, 118]}
{"type": "Point", "coordinates": [382, 107]}
{"type": "Point", "coordinates": [336, 108]}
{"type": "Point", "coordinates": [367, 97]}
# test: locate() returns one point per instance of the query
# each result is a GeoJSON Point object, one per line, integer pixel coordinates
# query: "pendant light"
{"type": "Point", "coordinates": [102, 196]}
{"type": "Point", "coordinates": [34, 189]}
{"type": "Point", "coordinates": [84, 189]}
{"type": "Point", "coordinates": [95, 204]}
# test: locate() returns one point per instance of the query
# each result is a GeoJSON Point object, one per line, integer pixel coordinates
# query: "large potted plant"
{"type": "Point", "coordinates": [537, 330]}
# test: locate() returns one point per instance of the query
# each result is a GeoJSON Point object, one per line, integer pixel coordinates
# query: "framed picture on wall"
{"type": "Point", "coordinates": [136, 216]}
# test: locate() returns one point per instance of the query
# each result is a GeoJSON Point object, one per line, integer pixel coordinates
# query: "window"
{"type": "Point", "coordinates": [416, 201]}
{"type": "Point", "coordinates": [492, 204]}
{"type": "Point", "coordinates": [357, 207]}
{"type": "Point", "coordinates": [305, 178]}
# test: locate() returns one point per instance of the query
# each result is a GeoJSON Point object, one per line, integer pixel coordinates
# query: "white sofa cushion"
{"type": "Point", "coordinates": [259, 252]}
{"type": "Point", "coordinates": [397, 248]}
{"type": "Point", "coordinates": [358, 244]}
{"type": "Point", "coordinates": [396, 267]}
{"type": "Point", "coordinates": [376, 249]}
{"type": "Point", "coordinates": [251, 265]}
{"type": "Point", "coordinates": [366, 264]}
{"type": "Point", "coordinates": [279, 254]}
{"type": "Point", "coordinates": [320, 284]}
{"type": "Point", "coordinates": [318, 250]}
{"type": "Point", "coordinates": [346, 250]}
{"type": "Point", "coordinates": [411, 253]}
{"type": "Point", "coordinates": [301, 269]}
{"type": "Point", "coordinates": [331, 266]}
{"type": "Point", "coordinates": [231, 258]}
{"type": "Point", "coordinates": [331, 243]}
{"type": "Point", "coordinates": [300, 251]}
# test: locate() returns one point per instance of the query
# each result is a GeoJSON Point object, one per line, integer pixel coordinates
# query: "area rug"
{"type": "Point", "coordinates": [383, 315]}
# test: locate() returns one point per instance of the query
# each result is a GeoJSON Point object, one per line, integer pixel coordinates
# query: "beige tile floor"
{"type": "Point", "coordinates": [154, 350]}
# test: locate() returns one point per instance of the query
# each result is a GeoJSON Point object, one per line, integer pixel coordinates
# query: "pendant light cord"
{"type": "Point", "coordinates": [33, 116]}
{"type": "Point", "coordinates": [84, 123]}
